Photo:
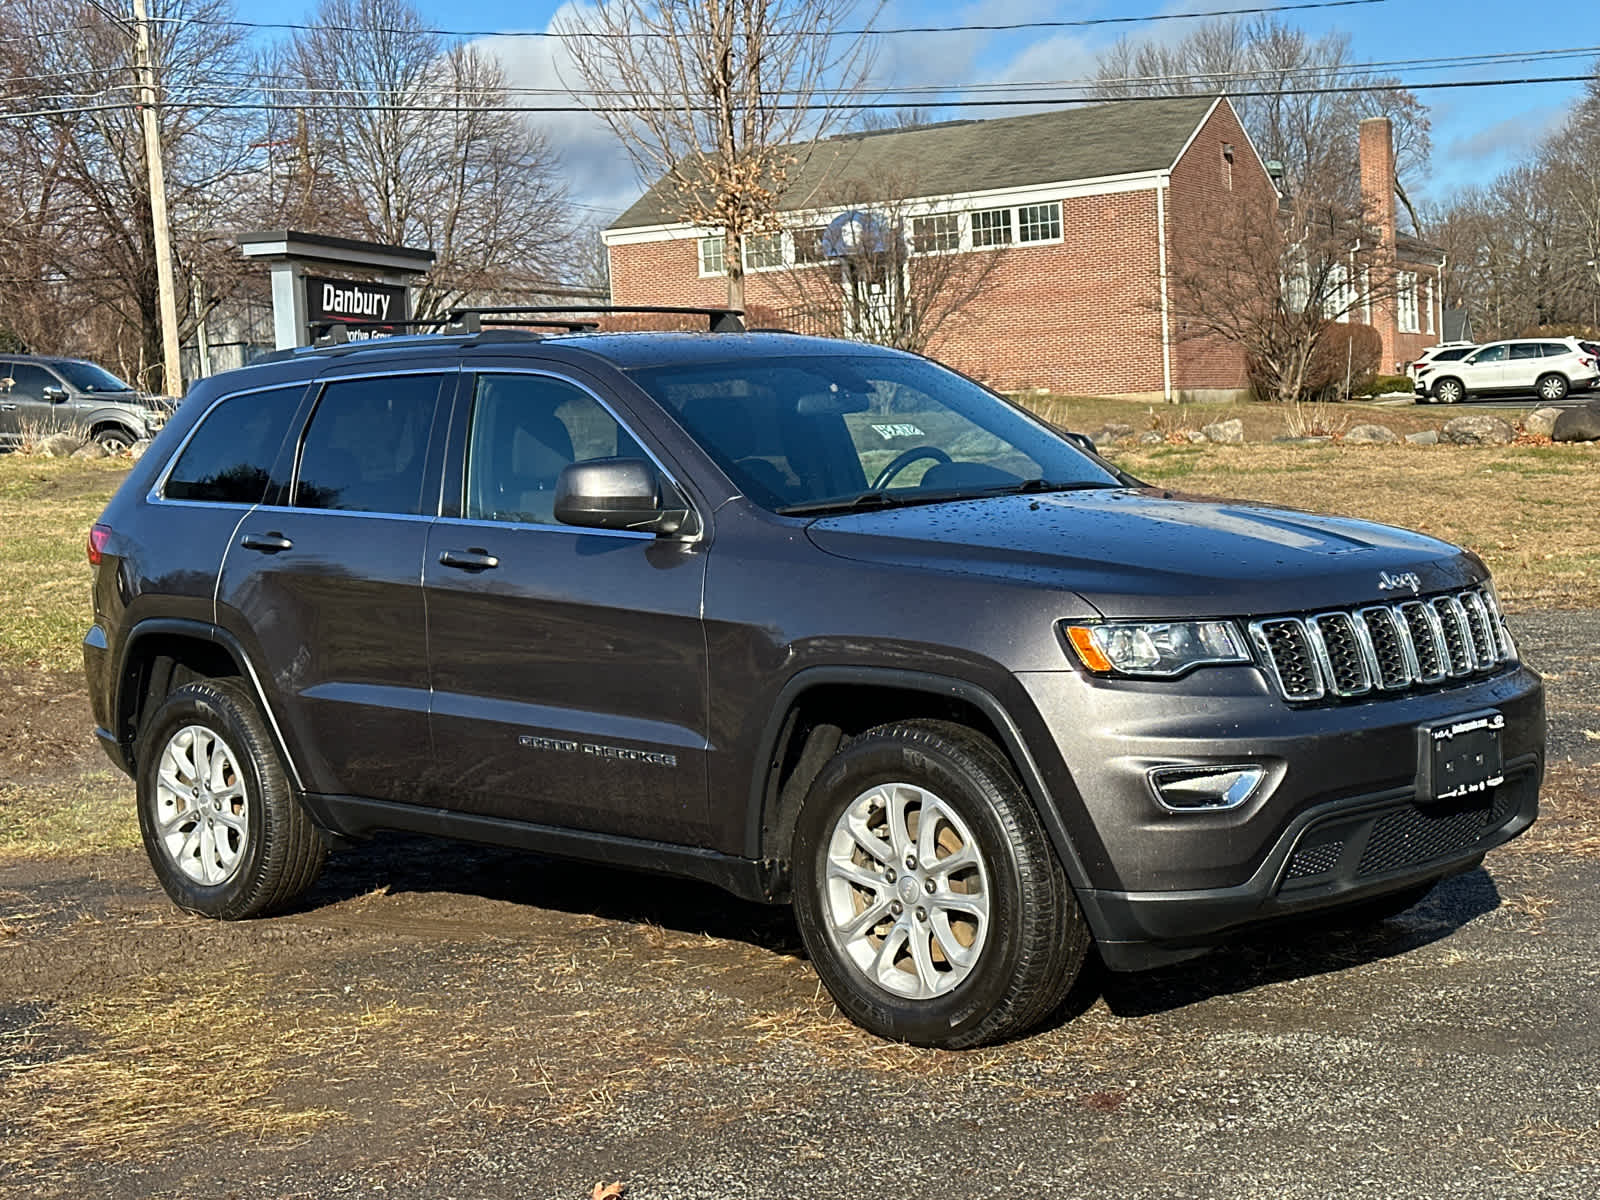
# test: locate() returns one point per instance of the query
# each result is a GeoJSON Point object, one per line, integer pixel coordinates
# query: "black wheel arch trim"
{"type": "Point", "coordinates": [221, 638]}
{"type": "Point", "coordinates": [763, 796]}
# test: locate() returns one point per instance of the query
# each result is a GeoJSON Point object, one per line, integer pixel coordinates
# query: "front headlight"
{"type": "Point", "coordinates": [1156, 649]}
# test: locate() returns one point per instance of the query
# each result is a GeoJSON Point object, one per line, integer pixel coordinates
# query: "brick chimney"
{"type": "Point", "coordinates": [1377, 179]}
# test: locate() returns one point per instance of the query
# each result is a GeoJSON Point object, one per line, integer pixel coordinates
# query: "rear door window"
{"type": "Point", "coordinates": [229, 459]}
{"type": "Point", "coordinates": [1525, 350]}
{"type": "Point", "coordinates": [366, 447]}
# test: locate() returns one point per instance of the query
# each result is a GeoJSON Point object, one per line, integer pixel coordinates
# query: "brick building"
{"type": "Point", "coordinates": [1081, 210]}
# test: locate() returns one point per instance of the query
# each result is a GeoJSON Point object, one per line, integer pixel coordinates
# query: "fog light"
{"type": "Point", "coordinates": [1186, 789]}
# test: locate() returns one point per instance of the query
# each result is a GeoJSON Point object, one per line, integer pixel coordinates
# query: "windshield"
{"type": "Point", "coordinates": [809, 433]}
{"type": "Point", "coordinates": [87, 377]}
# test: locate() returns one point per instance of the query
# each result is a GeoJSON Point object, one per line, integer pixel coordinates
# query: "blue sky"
{"type": "Point", "coordinates": [1476, 132]}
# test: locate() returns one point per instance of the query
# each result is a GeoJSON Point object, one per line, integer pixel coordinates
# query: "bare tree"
{"type": "Point", "coordinates": [395, 136]}
{"type": "Point", "coordinates": [897, 277]}
{"type": "Point", "coordinates": [712, 98]}
{"type": "Point", "coordinates": [1276, 288]}
{"type": "Point", "coordinates": [77, 242]}
{"type": "Point", "coordinates": [1255, 63]}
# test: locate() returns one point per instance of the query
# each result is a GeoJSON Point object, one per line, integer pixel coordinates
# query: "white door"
{"type": "Point", "coordinates": [1484, 370]}
{"type": "Point", "coordinates": [1522, 366]}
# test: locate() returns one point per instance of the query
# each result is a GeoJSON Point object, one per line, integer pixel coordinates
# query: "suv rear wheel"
{"type": "Point", "coordinates": [928, 896]}
{"type": "Point", "coordinates": [223, 830]}
{"type": "Point", "coordinates": [1552, 387]}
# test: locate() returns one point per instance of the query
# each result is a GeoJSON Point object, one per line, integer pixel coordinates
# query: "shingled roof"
{"type": "Point", "coordinates": [1122, 138]}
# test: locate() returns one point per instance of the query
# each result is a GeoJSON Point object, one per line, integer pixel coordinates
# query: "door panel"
{"type": "Point", "coordinates": [1523, 366]}
{"type": "Point", "coordinates": [1485, 371]}
{"type": "Point", "coordinates": [327, 590]}
{"type": "Point", "coordinates": [569, 677]}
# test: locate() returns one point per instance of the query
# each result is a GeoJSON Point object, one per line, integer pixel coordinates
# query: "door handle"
{"type": "Point", "coordinates": [267, 543]}
{"type": "Point", "coordinates": [8, 408]}
{"type": "Point", "coordinates": [468, 560]}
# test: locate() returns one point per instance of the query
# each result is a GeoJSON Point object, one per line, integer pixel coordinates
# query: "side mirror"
{"type": "Point", "coordinates": [53, 394]}
{"type": "Point", "coordinates": [1082, 441]}
{"type": "Point", "coordinates": [617, 493]}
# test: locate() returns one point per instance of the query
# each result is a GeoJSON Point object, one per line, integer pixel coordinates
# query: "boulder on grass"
{"type": "Point", "coordinates": [1151, 438]}
{"type": "Point", "coordinates": [1428, 437]}
{"type": "Point", "coordinates": [1225, 433]}
{"type": "Point", "coordinates": [59, 445]}
{"type": "Point", "coordinates": [1112, 431]}
{"type": "Point", "coordinates": [1540, 421]}
{"type": "Point", "coordinates": [1370, 435]}
{"type": "Point", "coordinates": [1195, 435]}
{"type": "Point", "coordinates": [1480, 429]}
{"type": "Point", "coordinates": [90, 450]}
{"type": "Point", "coordinates": [1577, 424]}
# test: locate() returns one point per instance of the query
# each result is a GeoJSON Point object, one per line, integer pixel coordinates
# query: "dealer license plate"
{"type": "Point", "coordinates": [1460, 757]}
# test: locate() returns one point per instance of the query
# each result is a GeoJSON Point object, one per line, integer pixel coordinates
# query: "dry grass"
{"type": "Point", "coordinates": [1525, 509]}
{"type": "Point", "coordinates": [46, 508]}
{"type": "Point", "coordinates": [162, 1064]}
{"type": "Point", "coordinates": [90, 814]}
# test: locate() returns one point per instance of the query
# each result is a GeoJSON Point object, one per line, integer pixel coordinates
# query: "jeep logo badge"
{"type": "Point", "coordinates": [1405, 579]}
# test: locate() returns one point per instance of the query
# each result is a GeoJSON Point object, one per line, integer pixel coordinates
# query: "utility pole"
{"type": "Point", "coordinates": [144, 67]}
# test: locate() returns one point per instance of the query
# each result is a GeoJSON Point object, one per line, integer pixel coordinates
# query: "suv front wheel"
{"type": "Point", "coordinates": [1449, 391]}
{"type": "Point", "coordinates": [223, 830]}
{"type": "Point", "coordinates": [930, 901]}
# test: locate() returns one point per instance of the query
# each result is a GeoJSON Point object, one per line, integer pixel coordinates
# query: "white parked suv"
{"type": "Point", "coordinates": [1549, 367]}
{"type": "Point", "coordinates": [1431, 360]}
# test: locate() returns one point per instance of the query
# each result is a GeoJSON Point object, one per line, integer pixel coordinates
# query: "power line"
{"type": "Point", "coordinates": [865, 31]}
{"type": "Point", "coordinates": [1336, 90]}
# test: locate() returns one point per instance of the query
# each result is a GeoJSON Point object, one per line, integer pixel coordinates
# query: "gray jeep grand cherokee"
{"type": "Point", "coordinates": [814, 621]}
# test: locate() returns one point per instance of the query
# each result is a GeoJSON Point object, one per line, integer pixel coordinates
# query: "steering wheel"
{"type": "Point", "coordinates": [903, 460]}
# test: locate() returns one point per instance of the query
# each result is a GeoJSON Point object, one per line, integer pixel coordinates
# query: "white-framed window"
{"type": "Point", "coordinates": [808, 246]}
{"type": "Point", "coordinates": [1296, 289]}
{"type": "Point", "coordinates": [1341, 296]}
{"type": "Point", "coordinates": [1406, 302]}
{"type": "Point", "coordinates": [1366, 295]}
{"type": "Point", "coordinates": [941, 231]}
{"type": "Point", "coordinates": [713, 251]}
{"type": "Point", "coordinates": [991, 227]}
{"type": "Point", "coordinates": [1039, 222]}
{"type": "Point", "coordinates": [763, 251]}
{"type": "Point", "coordinates": [1427, 303]}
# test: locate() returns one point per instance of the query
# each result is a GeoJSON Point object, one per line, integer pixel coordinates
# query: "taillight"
{"type": "Point", "coordinates": [99, 535]}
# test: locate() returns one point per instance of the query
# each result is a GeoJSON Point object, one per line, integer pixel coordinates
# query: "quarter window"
{"type": "Point", "coordinates": [712, 251]}
{"type": "Point", "coordinates": [991, 227]}
{"type": "Point", "coordinates": [526, 429]}
{"type": "Point", "coordinates": [367, 445]}
{"type": "Point", "coordinates": [930, 235]}
{"type": "Point", "coordinates": [1555, 349]}
{"type": "Point", "coordinates": [229, 459]}
{"type": "Point", "coordinates": [1039, 223]}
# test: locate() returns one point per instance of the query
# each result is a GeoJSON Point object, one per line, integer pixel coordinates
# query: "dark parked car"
{"type": "Point", "coordinates": [814, 621]}
{"type": "Point", "coordinates": [41, 396]}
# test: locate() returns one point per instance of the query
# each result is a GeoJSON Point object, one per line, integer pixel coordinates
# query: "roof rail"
{"type": "Point", "coordinates": [721, 320]}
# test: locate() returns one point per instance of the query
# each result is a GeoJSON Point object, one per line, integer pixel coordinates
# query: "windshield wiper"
{"type": "Point", "coordinates": [874, 498]}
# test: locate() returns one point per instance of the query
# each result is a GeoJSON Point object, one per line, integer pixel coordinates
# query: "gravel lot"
{"type": "Point", "coordinates": [446, 1021]}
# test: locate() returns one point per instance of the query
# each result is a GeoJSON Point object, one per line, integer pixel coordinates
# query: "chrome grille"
{"type": "Point", "coordinates": [1384, 647]}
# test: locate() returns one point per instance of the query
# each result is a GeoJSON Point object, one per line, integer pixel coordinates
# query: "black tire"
{"type": "Point", "coordinates": [1552, 387]}
{"type": "Point", "coordinates": [1449, 391]}
{"type": "Point", "coordinates": [1035, 940]}
{"type": "Point", "coordinates": [282, 851]}
{"type": "Point", "coordinates": [114, 438]}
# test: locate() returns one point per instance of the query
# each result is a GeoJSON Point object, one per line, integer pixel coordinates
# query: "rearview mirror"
{"type": "Point", "coordinates": [618, 493]}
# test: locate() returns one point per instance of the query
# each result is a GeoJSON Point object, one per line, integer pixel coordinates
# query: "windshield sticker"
{"type": "Point", "coordinates": [889, 432]}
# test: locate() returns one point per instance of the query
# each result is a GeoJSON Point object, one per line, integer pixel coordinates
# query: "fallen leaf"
{"type": "Point", "coordinates": [1592, 734]}
{"type": "Point", "coordinates": [609, 1191]}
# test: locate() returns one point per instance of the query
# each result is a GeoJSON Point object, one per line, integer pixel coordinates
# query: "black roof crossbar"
{"type": "Point", "coordinates": [721, 320]}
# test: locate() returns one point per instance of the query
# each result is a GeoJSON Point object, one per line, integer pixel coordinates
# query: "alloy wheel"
{"type": "Point", "coordinates": [202, 811]}
{"type": "Point", "coordinates": [907, 891]}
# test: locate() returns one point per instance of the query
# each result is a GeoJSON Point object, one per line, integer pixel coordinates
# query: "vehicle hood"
{"type": "Point", "coordinates": [1150, 553]}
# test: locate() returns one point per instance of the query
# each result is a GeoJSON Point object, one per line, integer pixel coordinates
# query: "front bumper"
{"type": "Point", "coordinates": [1337, 822]}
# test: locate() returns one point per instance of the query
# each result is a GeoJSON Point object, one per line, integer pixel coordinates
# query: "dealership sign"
{"type": "Point", "coordinates": [351, 301]}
